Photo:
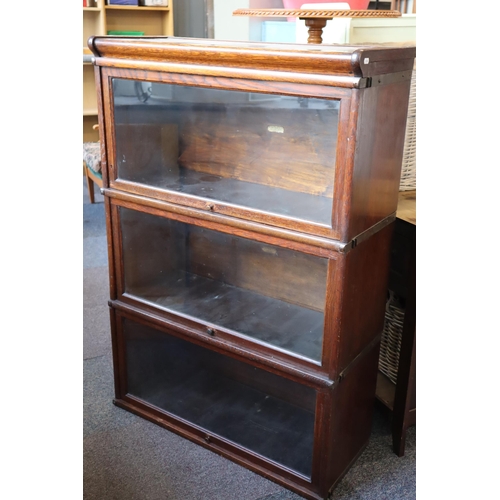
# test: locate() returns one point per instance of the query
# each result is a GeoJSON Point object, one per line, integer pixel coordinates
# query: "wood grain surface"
{"type": "Point", "coordinates": [407, 206]}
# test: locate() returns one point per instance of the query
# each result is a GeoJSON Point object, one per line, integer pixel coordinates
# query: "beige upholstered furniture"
{"type": "Point", "coordinates": [92, 165]}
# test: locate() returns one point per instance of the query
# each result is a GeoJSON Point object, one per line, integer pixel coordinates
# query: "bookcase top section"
{"type": "Point", "coordinates": [360, 61]}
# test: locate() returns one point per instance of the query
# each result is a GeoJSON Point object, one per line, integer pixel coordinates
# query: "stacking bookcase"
{"type": "Point", "coordinates": [250, 194]}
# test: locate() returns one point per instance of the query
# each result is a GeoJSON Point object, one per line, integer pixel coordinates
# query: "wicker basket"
{"type": "Point", "coordinates": [391, 337]}
{"type": "Point", "coordinates": [408, 180]}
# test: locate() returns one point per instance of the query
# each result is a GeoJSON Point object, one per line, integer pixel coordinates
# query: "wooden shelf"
{"type": "Point", "coordinates": [136, 7]}
{"type": "Point", "coordinates": [97, 21]}
{"type": "Point", "coordinates": [283, 325]}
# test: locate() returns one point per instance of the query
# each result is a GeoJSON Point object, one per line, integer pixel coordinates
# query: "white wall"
{"type": "Point", "coordinates": [229, 27]}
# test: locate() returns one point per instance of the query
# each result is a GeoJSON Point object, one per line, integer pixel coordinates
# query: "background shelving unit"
{"type": "Point", "coordinates": [151, 20]}
{"type": "Point", "coordinates": [103, 18]}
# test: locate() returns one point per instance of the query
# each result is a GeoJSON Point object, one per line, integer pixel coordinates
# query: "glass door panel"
{"type": "Point", "coordinates": [266, 152]}
{"type": "Point", "coordinates": [267, 414]}
{"type": "Point", "coordinates": [264, 292]}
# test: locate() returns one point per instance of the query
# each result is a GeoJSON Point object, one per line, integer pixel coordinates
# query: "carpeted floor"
{"type": "Point", "coordinates": [128, 458]}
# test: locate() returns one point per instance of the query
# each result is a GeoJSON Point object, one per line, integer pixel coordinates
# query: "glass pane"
{"type": "Point", "coordinates": [264, 292]}
{"type": "Point", "coordinates": [260, 411]}
{"type": "Point", "coordinates": [267, 152]}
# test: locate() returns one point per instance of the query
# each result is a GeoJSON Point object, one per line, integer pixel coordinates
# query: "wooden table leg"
{"type": "Point", "coordinates": [315, 27]}
{"type": "Point", "coordinates": [404, 411]}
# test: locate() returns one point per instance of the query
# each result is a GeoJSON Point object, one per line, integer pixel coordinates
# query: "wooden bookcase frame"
{"type": "Point", "coordinates": [373, 85]}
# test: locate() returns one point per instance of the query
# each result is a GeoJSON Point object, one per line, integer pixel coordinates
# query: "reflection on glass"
{"type": "Point", "coordinates": [267, 293]}
{"type": "Point", "coordinates": [262, 151]}
{"type": "Point", "coordinates": [262, 412]}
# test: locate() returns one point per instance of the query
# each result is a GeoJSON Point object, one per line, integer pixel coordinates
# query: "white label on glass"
{"type": "Point", "coordinates": [270, 250]}
{"type": "Point", "coordinates": [275, 128]}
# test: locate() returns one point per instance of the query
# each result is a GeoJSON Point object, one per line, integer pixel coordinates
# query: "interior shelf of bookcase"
{"type": "Point", "coordinates": [225, 408]}
{"type": "Point", "coordinates": [287, 326]}
{"type": "Point", "coordinates": [291, 204]}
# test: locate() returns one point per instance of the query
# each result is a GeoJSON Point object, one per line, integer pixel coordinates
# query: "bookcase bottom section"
{"type": "Point", "coordinates": [301, 437]}
{"type": "Point", "coordinates": [302, 487]}
{"type": "Point", "coordinates": [266, 414]}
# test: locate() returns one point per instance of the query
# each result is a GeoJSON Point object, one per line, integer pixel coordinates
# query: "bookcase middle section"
{"type": "Point", "coordinates": [270, 297]}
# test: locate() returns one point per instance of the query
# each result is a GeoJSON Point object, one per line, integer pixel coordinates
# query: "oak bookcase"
{"type": "Point", "coordinates": [250, 196]}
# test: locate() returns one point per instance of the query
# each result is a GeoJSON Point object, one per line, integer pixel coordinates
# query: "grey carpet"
{"type": "Point", "coordinates": [128, 458]}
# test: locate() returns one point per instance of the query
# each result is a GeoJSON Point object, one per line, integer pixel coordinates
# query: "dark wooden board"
{"type": "Point", "coordinates": [265, 319]}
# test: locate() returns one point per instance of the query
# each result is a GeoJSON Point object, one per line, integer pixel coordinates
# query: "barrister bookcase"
{"type": "Point", "coordinates": [250, 194]}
